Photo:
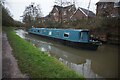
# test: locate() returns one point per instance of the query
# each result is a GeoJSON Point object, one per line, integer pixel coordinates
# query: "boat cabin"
{"type": "Point", "coordinates": [80, 35]}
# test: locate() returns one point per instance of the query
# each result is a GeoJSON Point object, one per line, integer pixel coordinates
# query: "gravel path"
{"type": "Point", "coordinates": [9, 64]}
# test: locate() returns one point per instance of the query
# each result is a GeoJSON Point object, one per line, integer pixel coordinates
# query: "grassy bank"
{"type": "Point", "coordinates": [35, 63]}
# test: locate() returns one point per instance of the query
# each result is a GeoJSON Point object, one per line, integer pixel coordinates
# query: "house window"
{"type": "Point", "coordinates": [54, 14]}
{"type": "Point", "coordinates": [102, 6]}
{"type": "Point", "coordinates": [117, 4]}
{"type": "Point", "coordinates": [105, 6]}
{"type": "Point", "coordinates": [64, 19]}
{"type": "Point", "coordinates": [69, 9]}
{"type": "Point", "coordinates": [114, 15]}
{"type": "Point", "coordinates": [64, 13]}
{"type": "Point", "coordinates": [66, 35]}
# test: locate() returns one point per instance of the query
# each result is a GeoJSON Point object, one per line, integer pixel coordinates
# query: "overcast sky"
{"type": "Point", "coordinates": [17, 7]}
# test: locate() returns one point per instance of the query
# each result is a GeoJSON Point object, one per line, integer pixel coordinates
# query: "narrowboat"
{"type": "Point", "coordinates": [78, 38]}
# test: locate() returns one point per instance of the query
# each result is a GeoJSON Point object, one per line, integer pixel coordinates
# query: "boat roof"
{"type": "Point", "coordinates": [64, 29]}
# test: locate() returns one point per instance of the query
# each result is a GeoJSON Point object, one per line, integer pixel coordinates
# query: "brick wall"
{"type": "Point", "coordinates": [107, 9]}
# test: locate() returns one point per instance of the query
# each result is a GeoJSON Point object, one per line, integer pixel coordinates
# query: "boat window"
{"type": "Point", "coordinates": [66, 34]}
{"type": "Point", "coordinates": [38, 30]}
{"type": "Point", "coordinates": [57, 33]}
{"type": "Point", "coordinates": [44, 31]}
{"type": "Point", "coordinates": [81, 35]}
{"type": "Point", "coordinates": [84, 35]}
{"type": "Point", "coordinates": [50, 33]}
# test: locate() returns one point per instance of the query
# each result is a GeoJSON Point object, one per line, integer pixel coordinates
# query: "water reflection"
{"type": "Point", "coordinates": [21, 33]}
{"type": "Point", "coordinates": [91, 64]}
{"type": "Point", "coordinates": [84, 68]}
{"type": "Point", "coordinates": [43, 46]}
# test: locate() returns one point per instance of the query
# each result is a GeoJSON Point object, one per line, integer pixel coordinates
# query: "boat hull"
{"type": "Point", "coordinates": [78, 45]}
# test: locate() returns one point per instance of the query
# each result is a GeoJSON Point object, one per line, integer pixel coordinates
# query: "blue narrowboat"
{"type": "Point", "coordinates": [79, 38]}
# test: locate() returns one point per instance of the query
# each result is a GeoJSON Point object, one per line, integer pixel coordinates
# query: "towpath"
{"type": "Point", "coordinates": [9, 64]}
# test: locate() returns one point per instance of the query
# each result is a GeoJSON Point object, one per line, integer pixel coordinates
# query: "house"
{"type": "Point", "coordinates": [67, 13]}
{"type": "Point", "coordinates": [82, 13]}
{"type": "Point", "coordinates": [105, 8]}
{"type": "Point", "coordinates": [59, 13]}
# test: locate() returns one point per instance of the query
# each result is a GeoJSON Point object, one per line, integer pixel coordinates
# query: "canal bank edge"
{"type": "Point", "coordinates": [35, 63]}
{"type": "Point", "coordinates": [9, 62]}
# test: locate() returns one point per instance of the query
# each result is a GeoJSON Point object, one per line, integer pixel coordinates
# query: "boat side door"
{"type": "Point", "coordinates": [84, 36]}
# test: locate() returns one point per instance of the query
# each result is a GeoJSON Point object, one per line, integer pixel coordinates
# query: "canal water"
{"type": "Point", "coordinates": [102, 63]}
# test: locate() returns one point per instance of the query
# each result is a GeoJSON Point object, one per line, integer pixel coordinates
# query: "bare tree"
{"type": "Point", "coordinates": [2, 2]}
{"type": "Point", "coordinates": [32, 14]}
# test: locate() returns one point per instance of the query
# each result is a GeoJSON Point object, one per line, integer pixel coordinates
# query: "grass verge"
{"type": "Point", "coordinates": [35, 63]}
